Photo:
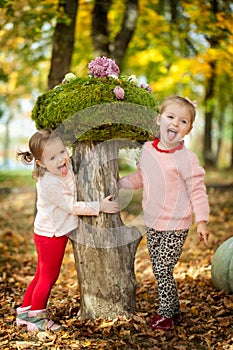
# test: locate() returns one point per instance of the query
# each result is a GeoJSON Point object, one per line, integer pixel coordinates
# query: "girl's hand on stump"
{"type": "Point", "coordinates": [108, 206]}
{"type": "Point", "coordinates": [203, 232]}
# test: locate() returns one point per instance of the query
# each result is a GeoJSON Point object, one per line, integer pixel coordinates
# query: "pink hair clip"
{"type": "Point", "coordinates": [192, 102]}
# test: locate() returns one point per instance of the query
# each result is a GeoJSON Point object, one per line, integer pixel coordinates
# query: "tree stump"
{"type": "Point", "coordinates": [104, 248]}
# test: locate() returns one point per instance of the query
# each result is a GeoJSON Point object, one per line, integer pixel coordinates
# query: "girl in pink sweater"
{"type": "Point", "coordinates": [173, 190]}
{"type": "Point", "coordinates": [57, 217]}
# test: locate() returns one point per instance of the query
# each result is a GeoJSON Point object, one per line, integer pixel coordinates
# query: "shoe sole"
{"type": "Point", "coordinates": [163, 329]}
{"type": "Point", "coordinates": [20, 322]}
{"type": "Point", "coordinates": [33, 327]}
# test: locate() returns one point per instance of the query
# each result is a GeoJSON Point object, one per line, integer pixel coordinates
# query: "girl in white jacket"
{"type": "Point", "coordinates": [57, 216]}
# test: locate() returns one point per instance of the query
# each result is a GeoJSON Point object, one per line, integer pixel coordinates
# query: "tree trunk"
{"type": "Point", "coordinates": [220, 136]}
{"type": "Point", "coordinates": [128, 27]}
{"type": "Point", "coordinates": [231, 164]}
{"type": "Point", "coordinates": [100, 30]}
{"type": "Point", "coordinates": [63, 42]}
{"type": "Point", "coordinates": [208, 150]}
{"type": "Point", "coordinates": [6, 145]}
{"type": "Point", "coordinates": [104, 248]}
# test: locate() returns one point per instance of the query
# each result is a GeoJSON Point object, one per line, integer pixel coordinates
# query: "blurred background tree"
{"type": "Point", "coordinates": [179, 47]}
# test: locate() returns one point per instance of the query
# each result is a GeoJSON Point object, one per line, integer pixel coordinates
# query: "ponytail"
{"type": "Point", "coordinates": [36, 147]}
{"type": "Point", "coordinates": [25, 157]}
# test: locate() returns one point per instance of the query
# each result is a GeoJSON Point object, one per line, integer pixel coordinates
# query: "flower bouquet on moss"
{"type": "Point", "coordinates": [101, 106]}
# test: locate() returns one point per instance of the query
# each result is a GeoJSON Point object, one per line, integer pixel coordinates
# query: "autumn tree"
{"type": "Point", "coordinates": [101, 36]}
{"type": "Point", "coordinates": [215, 36]}
{"type": "Point", "coordinates": [25, 29]}
{"type": "Point", "coordinates": [63, 41]}
{"type": "Point", "coordinates": [172, 46]}
{"type": "Point", "coordinates": [189, 54]}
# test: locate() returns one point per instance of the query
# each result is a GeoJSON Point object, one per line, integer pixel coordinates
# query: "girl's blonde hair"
{"type": "Point", "coordinates": [37, 144]}
{"type": "Point", "coordinates": [182, 101]}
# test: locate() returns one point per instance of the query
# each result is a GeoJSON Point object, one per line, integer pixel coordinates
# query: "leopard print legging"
{"type": "Point", "coordinates": [165, 248]}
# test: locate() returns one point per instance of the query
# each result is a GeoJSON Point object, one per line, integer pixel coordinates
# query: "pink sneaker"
{"type": "Point", "coordinates": [36, 320]}
{"type": "Point", "coordinates": [22, 315]}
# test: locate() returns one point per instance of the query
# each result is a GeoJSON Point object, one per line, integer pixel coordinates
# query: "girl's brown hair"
{"type": "Point", "coordinates": [182, 101]}
{"type": "Point", "coordinates": [36, 148]}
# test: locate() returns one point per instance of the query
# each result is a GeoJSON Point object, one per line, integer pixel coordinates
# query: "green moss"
{"type": "Point", "coordinates": [87, 109]}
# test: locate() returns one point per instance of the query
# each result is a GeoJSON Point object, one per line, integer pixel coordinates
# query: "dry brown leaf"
{"type": "Point", "coordinates": [208, 312]}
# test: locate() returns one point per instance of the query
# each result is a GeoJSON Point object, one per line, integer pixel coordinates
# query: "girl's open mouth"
{"type": "Point", "coordinates": [171, 134]}
{"type": "Point", "coordinates": [63, 169]}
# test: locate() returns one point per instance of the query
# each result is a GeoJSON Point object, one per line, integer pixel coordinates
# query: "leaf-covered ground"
{"type": "Point", "coordinates": [208, 320]}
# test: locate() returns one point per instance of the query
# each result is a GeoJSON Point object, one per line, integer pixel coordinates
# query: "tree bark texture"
{"type": "Point", "coordinates": [209, 96]}
{"type": "Point", "coordinates": [100, 30]}
{"type": "Point", "coordinates": [104, 248]}
{"type": "Point", "coordinates": [128, 27]}
{"type": "Point", "coordinates": [231, 164]}
{"type": "Point", "coordinates": [63, 42]}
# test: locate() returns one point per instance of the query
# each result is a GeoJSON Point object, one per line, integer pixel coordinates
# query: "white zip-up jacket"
{"type": "Point", "coordinates": [57, 206]}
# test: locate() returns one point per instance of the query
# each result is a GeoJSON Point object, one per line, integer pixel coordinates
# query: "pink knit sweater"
{"type": "Point", "coordinates": [57, 206]}
{"type": "Point", "coordinates": [173, 188]}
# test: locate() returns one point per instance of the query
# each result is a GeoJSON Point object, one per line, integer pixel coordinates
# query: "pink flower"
{"type": "Point", "coordinates": [119, 93]}
{"type": "Point", "coordinates": [146, 87]}
{"type": "Point", "coordinates": [103, 67]}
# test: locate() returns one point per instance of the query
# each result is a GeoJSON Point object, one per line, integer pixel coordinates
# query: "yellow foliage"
{"type": "Point", "coordinates": [83, 39]}
{"type": "Point", "coordinates": [199, 65]}
{"type": "Point", "coordinates": [193, 9]}
{"type": "Point", "coordinates": [151, 51]}
{"type": "Point", "coordinates": [225, 21]}
{"type": "Point", "coordinates": [180, 72]}
{"type": "Point", "coordinates": [148, 56]}
{"type": "Point", "coordinates": [194, 310]}
{"type": "Point", "coordinates": [151, 24]}
{"type": "Point", "coordinates": [115, 18]}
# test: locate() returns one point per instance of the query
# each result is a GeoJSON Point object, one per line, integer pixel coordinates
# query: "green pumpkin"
{"type": "Point", "coordinates": [222, 266]}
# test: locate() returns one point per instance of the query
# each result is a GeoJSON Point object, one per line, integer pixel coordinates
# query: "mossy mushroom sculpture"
{"type": "Point", "coordinates": [93, 114]}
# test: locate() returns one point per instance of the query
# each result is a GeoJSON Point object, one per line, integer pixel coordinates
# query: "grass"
{"type": "Point", "coordinates": [219, 176]}
{"type": "Point", "coordinates": [19, 178]}
{"type": "Point", "coordinates": [23, 178]}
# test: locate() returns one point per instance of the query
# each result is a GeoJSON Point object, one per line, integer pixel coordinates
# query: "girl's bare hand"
{"type": "Point", "coordinates": [203, 232]}
{"type": "Point", "coordinates": [108, 206]}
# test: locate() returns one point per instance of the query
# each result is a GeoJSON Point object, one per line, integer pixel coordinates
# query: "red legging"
{"type": "Point", "coordinates": [50, 251]}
